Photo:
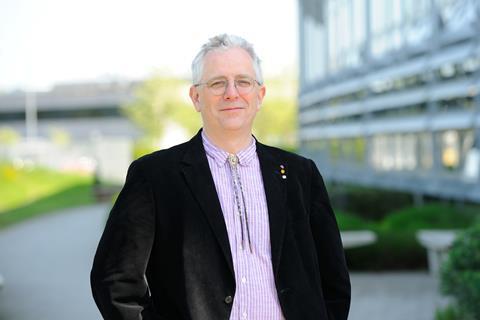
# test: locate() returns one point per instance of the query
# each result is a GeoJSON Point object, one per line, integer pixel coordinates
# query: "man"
{"type": "Point", "coordinates": [222, 226]}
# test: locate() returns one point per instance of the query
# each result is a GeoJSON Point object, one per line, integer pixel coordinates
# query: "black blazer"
{"type": "Point", "coordinates": [165, 254]}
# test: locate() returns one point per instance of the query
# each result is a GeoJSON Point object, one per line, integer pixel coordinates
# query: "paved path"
{"type": "Point", "coordinates": [46, 264]}
{"type": "Point", "coordinates": [394, 296]}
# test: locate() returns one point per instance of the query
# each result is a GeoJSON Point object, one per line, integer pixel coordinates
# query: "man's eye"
{"type": "Point", "coordinates": [244, 83]}
{"type": "Point", "coordinates": [217, 84]}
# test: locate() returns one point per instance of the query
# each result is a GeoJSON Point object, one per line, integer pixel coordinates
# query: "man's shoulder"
{"type": "Point", "coordinates": [163, 157]}
{"type": "Point", "coordinates": [288, 156]}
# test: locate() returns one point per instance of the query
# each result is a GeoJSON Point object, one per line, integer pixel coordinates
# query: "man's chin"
{"type": "Point", "coordinates": [235, 125]}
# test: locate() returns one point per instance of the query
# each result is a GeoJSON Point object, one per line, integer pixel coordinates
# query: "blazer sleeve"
{"type": "Point", "coordinates": [118, 274]}
{"type": "Point", "coordinates": [328, 244]}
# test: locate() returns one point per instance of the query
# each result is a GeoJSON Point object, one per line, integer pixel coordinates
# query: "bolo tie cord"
{"type": "Point", "coordinates": [233, 161]}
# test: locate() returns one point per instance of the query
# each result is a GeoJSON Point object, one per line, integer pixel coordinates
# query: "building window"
{"type": "Point", "coordinates": [455, 14]}
{"type": "Point", "coordinates": [346, 33]}
{"type": "Point", "coordinates": [450, 149]}
{"type": "Point", "coordinates": [394, 152]}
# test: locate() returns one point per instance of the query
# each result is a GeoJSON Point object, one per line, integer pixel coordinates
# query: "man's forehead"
{"type": "Point", "coordinates": [228, 56]}
{"type": "Point", "coordinates": [236, 76]}
{"type": "Point", "coordinates": [228, 62]}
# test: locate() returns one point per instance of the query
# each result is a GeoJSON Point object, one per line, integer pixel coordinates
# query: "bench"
{"type": "Point", "coordinates": [437, 243]}
{"type": "Point", "coordinates": [353, 239]}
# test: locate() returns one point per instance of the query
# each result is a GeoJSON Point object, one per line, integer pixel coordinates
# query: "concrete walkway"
{"type": "Point", "coordinates": [46, 263]}
{"type": "Point", "coordinates": [394, 296]}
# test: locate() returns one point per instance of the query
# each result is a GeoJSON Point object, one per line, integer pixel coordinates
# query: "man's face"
{"type": "Point", "coordinates": [230, 111]}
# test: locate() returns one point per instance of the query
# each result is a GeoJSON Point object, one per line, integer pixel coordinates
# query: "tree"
{"type": "Point", "coordinates": [159, 100]}
{"type": "Point", "coordinates": [276, 122]}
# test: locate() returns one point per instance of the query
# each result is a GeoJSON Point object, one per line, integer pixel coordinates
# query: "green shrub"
{"type": "Point", "coordinates": [430, 216]}
{"type": "Point", "coordinates": [369, 203]}
{"type": "Point", "coordinates": [392, 251]}
{"type": "Point", "coordinates": [395, 220]}
{"type": "Point", "coordinates": [348, 221]}
{"type": "Point", "coordinates": [448, 313]}
{"type": "Point", "coordinates": [397, 247]}
{"type": "Point", "coordinates": [460, 274]}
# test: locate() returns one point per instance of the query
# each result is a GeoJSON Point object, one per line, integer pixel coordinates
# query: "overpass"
{"type": "Point", "coordinates": [81, 109]}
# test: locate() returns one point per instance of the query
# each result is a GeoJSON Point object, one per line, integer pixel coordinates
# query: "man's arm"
{"type": "Point", "coordinates": [331, 258]}
{"type": "Point", "coordinates": [117, 278]}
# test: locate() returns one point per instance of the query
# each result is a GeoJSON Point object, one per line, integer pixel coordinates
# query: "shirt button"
{"type": "Point", "coordinates": [244, 280]}
{"type": "Point", "coordinates": [228, 299]}
{"type": "Point", "coordinates": [244, 315]}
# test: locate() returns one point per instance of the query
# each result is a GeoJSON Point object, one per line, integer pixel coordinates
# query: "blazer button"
{"type": "Point", "coordinates": [285, 290]}
{"type": "Point", "coordinates": [228, 299]}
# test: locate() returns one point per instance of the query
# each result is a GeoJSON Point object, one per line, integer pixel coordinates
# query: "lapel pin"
{"type": "Point", "coordinates": [282, 171]}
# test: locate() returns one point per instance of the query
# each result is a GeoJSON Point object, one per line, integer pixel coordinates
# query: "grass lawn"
{"type": "Point", "coordinates": [26, 193]}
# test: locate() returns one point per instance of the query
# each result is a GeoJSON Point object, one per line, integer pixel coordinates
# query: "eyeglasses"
{"type": "Point", "coordinates": [218, 86]}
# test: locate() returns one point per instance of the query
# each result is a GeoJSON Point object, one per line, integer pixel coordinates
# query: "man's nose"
{"type": "Point", "coordinates": [231, 91]}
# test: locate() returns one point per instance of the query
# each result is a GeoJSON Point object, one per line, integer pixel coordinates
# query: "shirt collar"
{"type": "Point", "coordinates": [220, 156]}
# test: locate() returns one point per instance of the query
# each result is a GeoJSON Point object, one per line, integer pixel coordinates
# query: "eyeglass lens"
{"type": "Point", "coordinates": [219, 86]}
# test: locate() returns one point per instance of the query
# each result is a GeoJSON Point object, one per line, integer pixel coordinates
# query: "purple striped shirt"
{"type": "Point", "coordinates": [255, 295]}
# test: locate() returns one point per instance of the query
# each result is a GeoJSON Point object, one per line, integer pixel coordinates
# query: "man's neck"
{"type": "Point", "coordinates": [231, 142]}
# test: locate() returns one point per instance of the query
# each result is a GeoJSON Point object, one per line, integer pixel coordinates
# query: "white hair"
{"type": "Point", "coordinates": [222, 42]}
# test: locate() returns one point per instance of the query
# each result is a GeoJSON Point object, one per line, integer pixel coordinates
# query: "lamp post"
{"type": "Point", "coordinates": [31, 117]}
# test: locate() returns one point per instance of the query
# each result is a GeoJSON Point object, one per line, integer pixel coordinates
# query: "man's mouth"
{"type": "Point", "coordinates": [231, 108]}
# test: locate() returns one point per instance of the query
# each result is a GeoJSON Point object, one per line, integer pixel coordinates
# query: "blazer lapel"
{"type": "Point", "coordinates": [276, 193]}
{"type": "Point", "coordinates": [197, 174]}
{"type": "Point", "coordinates": [199, 178]}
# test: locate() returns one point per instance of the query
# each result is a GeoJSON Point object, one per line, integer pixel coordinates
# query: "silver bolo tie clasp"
{"type": "Point", "coordinates": [233, 160]}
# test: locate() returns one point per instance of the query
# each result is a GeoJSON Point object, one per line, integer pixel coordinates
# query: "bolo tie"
{"type": "Point", "coordinates": [237, 185]}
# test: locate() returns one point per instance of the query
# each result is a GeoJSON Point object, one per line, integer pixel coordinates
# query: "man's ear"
{"type": "Point", "coordinates": [194, 96]}
{"type": "Point", "coordinates": [260, 95]}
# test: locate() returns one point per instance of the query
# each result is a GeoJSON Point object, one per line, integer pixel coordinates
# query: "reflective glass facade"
{"type": "Point", "coordinates": [390, 93]}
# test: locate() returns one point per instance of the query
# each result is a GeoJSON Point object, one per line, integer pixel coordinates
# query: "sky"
{"type": "Point", "coordinates": [44, 42]}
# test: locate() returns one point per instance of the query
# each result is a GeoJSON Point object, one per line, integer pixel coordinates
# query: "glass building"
{"type": "Point", "coordinates": [390, 93]}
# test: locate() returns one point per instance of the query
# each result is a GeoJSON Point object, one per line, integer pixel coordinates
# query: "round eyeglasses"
{"type": "Point", "coordinates": [218, 86]}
